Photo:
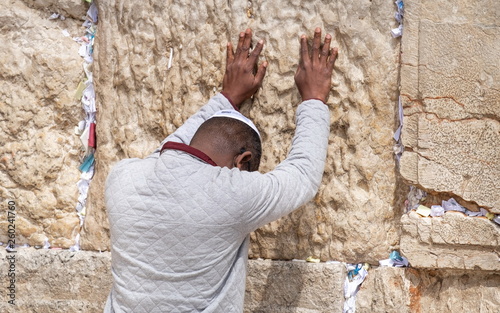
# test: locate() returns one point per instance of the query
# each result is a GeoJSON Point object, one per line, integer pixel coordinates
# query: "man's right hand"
{"type": "Point", "coordinates": [314, 74]}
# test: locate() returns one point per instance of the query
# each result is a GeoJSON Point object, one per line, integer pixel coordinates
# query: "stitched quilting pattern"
{"type": "Point", "coordinates": [179, 227]}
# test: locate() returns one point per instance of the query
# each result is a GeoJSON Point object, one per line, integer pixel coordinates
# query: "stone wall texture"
{"type": "Point", "coordinates": [450, 87]}
{"type": "Point", "coordinates": [141, 101]}
{"type": "Point", "coordinates": [444, 70]}
{"type": "Point", "coordinates": [419, 291]}
{"type": "Point", "coordinates": [39, 156]}
{"type": "Point", "coordinates": [450, 91]}
{"type": "Point", "coordinates": [454, 241]}
{"type": "Point", "coordinates": [63, 281]}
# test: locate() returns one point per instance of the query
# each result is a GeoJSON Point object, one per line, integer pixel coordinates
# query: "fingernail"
{"type": "Point", "coordinates": [328, 36]}
{"type": "Point", "coordinates": [261, 42]}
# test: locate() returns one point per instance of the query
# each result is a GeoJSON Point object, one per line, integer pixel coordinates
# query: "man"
{"type": "Point", "coordinates": [180, 218]}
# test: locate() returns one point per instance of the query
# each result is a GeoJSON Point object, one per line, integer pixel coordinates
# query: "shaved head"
{"type": "Point", "coordinates": [230, 137]}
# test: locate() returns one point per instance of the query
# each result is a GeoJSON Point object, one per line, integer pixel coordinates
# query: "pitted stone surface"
{"type": "Point", "coordinates": [39, 154]}
{"type": "Point", "coordinates": [53, 281]}
{"type": "Point", "coordinates": [278, 286]}
{"type": "Point", "coordinates": [449, 87]}
{"type": "Point", "coordinates": [141, 101]}
{"type": "Point", "coordinates": [57, 281]}
{"type": "Point", "coordinates": [450, 97]}
{"type": "Point", "coordinates": [63, 281]}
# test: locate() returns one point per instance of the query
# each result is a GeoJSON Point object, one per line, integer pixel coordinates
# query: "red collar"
{"type": "Point", "coordinates": [193, 151]}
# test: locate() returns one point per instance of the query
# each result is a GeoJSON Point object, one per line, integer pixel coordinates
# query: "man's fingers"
{"type": "Point", "coordinates": [316, 44]}
{"type": "Point", "coordinates": [246, 41]}
{"type": "Point", "coordinates": [333, 57]}
{"type": "Point", "coordinates": [261, 72]}
{"type": "Point", "coordinates": [241, 38]}
{"type": "Point", "coordinates": [229, 54]}
{"type": "Point", "coordinates": [304, 51]}
{"type": "Point", "coordinates": [252, 59]}
{"type": "Point", "coordinates": [325, 50]}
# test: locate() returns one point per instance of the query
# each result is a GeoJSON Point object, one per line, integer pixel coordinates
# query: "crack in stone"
{"type": "Point", "coordinates": [479, 118]}
{"type": "Point", "coordinates": [420, 100]}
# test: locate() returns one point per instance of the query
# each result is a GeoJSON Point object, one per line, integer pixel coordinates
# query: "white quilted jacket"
{"type": "Point", "coordinates": [179, 226]}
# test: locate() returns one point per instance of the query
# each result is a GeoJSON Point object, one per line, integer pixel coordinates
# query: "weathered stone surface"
{"type": "Point", "coordinates": [39, 155]}
{"type": "Point", "coordinates": [450, 96]}
{"type": "Point", "coordinates": [277, 286]}
{"type": "Point", "coordinates": [141, 101]}
{"type": "Point", "coordinates": [57, 281]}
{"type": "Point", "coordinates": [452, 241]}
{"type": "Point", "coordinates": [75, 9]}
{"type": "Point", "coordinates": [62, 281]}
{"type": "Point", "coordinates": [408, 290]}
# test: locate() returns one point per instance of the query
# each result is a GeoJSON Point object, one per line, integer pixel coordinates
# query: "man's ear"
{"type": "Point", "coordinates": [242, 161]}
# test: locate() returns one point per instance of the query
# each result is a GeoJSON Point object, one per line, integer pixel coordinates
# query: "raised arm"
{"type": "Point", "coordinates": [296, 180]}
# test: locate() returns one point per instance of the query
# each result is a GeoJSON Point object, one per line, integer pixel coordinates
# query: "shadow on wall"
{"type": "Point", "coordinates": [452, 291]}
{"type": "Point", "coordinates": [279, 288]}
{"type": "Point", "coordinates": [289, 286]}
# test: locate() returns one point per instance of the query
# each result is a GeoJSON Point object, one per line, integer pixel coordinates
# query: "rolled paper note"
{"type": "Point", "coordinates": [79, 90]}
{"type": "Point", "coordinates": [423, 210]}
{"type": "Point", "coordinates": [312, 260]}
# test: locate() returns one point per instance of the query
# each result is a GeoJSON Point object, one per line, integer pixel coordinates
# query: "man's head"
{"type": "Point", "coordinates": [230, 139]}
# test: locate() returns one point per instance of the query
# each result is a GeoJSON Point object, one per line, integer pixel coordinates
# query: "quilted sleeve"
{"type": "Point", "coordinates": [296, 180]}
{"type": "Point", "coordinates": [184, 133]}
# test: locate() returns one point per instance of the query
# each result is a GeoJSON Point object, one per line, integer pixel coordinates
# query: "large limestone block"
{"type": "Point", "coordinates": [68, 8]}
{"type": "Point", "coordinates": [62, 281]}
{"type": "Point", "coordinates": [141, 101]}
{"type": "Point", "coordinates": [452, 241]}
{"type": "Point", "coordinates": [39, 154]}
{"type": "Point", "coordinates": [281, 287]}
{"type": "Point", "coordinates": [407, 290]}
{"type": "Point", "coordinates": [56, 281]}
{"type": "Point", "coordinates": [450, 86]}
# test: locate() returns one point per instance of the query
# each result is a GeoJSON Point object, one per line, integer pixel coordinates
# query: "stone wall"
{"type": "Point", "coordinates": [451, 134]}
{"type": "Point", "coordinates": [355, 215]}
{"type": "Point", "coordinates": [39, 154]}
{"type": "Point", "coordinates": [445, 72]}
{"type": "Point", "coordinates": [64, 281]}
{"type": "Point", "coordinates": [451, 99]}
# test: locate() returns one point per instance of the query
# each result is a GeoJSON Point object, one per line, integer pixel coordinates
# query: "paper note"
{"type": "Point", "coordinates": [423, 210]}
{"type": "Point", "coordinates": [79, 90]}
{"type": "Point", "coordinates": [92, 135]}
{"type": "Point", "coordinates": [437, 210]}
{"type": "Point", "coordinates": [356, 274]}
{"type": "Point", "coordinates": [87, 163]}
{"type": "Point", "coordinates": [170, 59]}
{"type": "Point", "coordinates": [84, 138]}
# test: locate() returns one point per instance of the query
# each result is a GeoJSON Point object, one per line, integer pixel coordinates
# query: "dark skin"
{"type": "Point", "coordinates": [314, 73]}
{"type": "Point", "coordinates": [240, 83]}
{"type": "Point", "coordinates": [313, 80]}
